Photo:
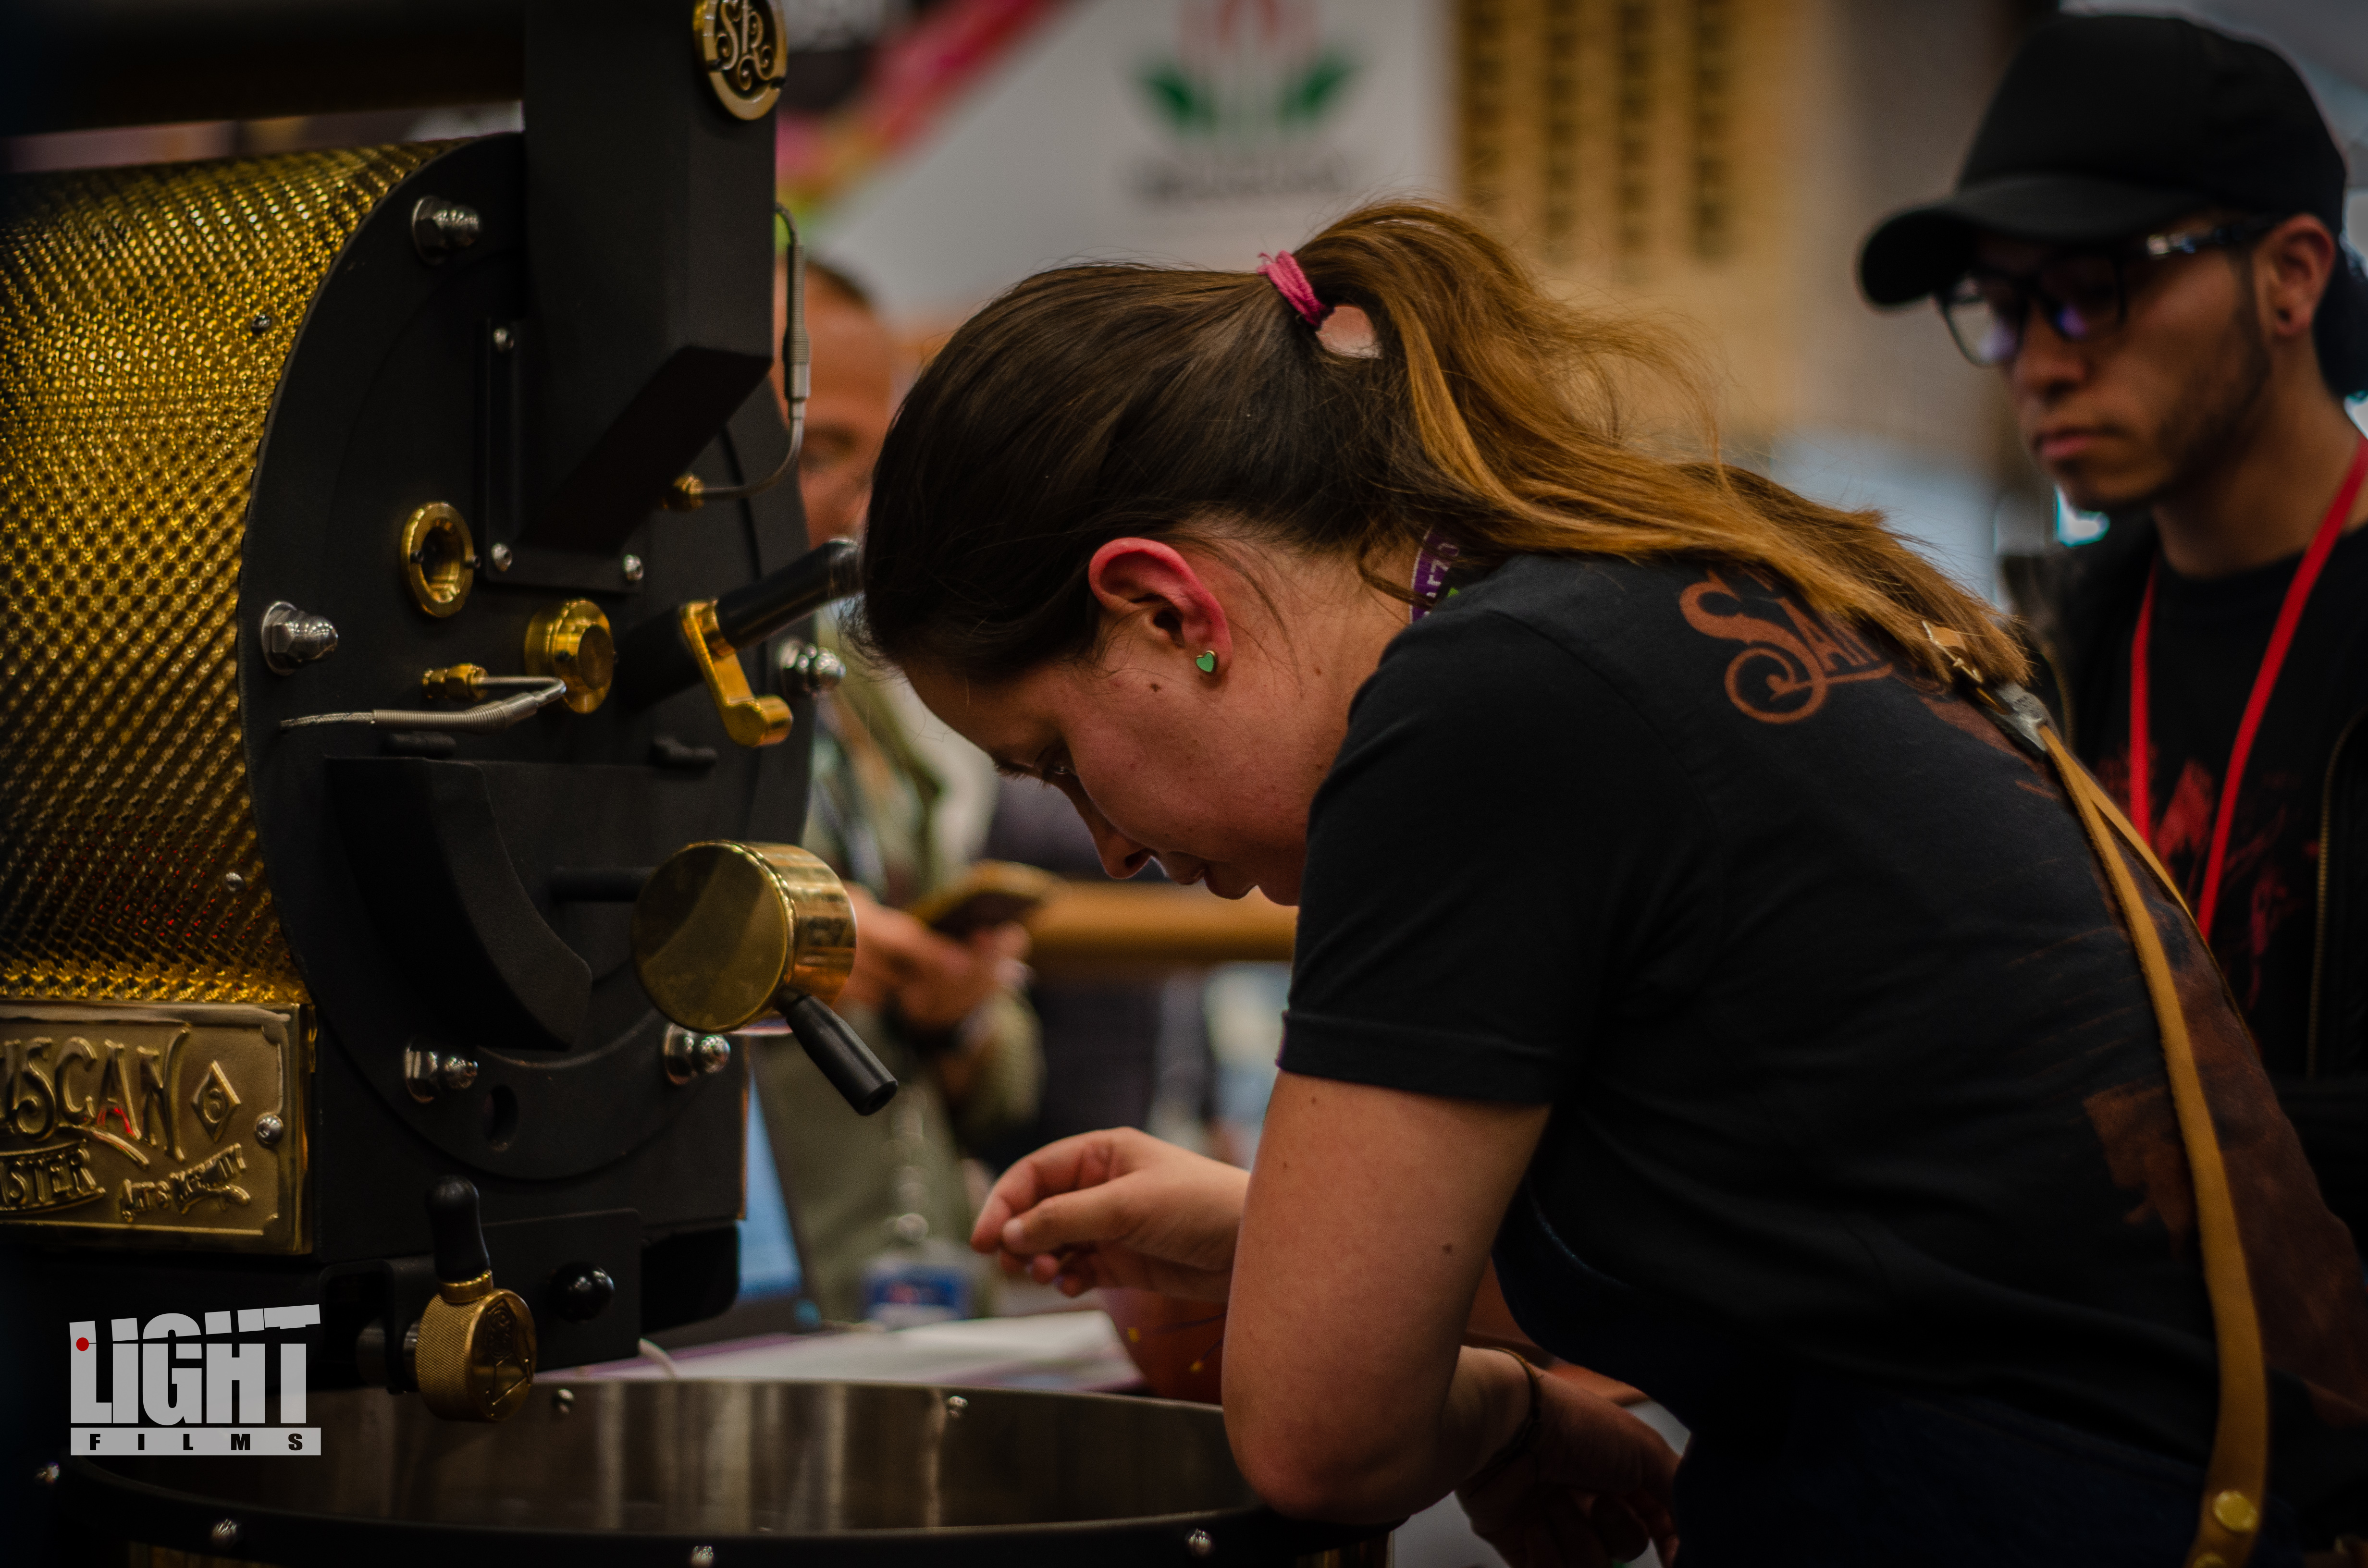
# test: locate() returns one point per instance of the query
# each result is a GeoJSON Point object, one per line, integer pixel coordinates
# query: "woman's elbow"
{"type": "Point", "coordinates": [1311, 1475]}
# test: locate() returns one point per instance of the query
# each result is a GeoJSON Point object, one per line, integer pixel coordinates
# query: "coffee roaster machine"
{"type": "Point", "coordinates": [402, 748]}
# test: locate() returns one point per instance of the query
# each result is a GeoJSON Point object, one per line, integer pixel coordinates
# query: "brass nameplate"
{"type": "Point", "coordinates": [154, 1125]}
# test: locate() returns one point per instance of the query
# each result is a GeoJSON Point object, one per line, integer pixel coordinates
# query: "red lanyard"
{"type": "Point", "coordinates": [2274, 659]}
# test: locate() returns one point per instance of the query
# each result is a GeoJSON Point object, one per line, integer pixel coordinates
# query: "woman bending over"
{"type": "Point", "coordinates": [1673, 925]}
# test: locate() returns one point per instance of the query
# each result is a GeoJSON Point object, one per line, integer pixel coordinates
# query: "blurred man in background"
{"type": "Point", "coordinates": [2144, 242]}
{"type": "Point", "coordinates": [879, 1204]}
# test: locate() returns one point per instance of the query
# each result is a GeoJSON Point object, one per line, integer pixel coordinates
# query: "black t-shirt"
{"type": "Point", "coordinates": [1849, 1055]}
{"type": "Point", "coordinates": [2208, 638]}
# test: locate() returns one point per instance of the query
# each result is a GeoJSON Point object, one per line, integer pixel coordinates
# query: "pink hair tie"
{"type": "Point", "coordinates": [1282, 270]}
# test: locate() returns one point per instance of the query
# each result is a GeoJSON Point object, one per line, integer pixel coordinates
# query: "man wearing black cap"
{"type": "Point", "coordinates": [2144, 242]}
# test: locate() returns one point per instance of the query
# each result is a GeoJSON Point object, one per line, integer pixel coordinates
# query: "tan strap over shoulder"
{"type": "Point", "coordinates": [2235, 1480]}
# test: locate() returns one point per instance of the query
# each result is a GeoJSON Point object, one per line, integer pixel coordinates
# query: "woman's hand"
{"type": "Point", "coordinates": [1117, 1207]}
{"type": "Point", "coordinates": [1591, 1487]}
{"type": "Point", "coordinates": [932, 980]}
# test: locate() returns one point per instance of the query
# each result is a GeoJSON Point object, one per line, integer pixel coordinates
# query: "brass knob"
{"type": "Point", "coordinates": [440, 559]}
{"type": "Point", "coordinates": [572, 643]}
{"type": "Point", "coordinates": [475, 1356]}
{"type": "Point", "coordinates": [473, 1359]}
{"type": "Point", "coordinates": [724, 932]}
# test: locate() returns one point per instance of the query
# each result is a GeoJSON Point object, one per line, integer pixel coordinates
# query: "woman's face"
{"type": "Point", "coordinates": [1210, 773]}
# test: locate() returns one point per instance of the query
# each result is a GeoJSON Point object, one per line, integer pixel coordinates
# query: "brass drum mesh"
{"type": "Point", "coordinates": [145, 317]}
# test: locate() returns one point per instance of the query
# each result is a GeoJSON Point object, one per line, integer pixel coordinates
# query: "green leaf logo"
{"type": "Point", "coordinates": [1309, 93]}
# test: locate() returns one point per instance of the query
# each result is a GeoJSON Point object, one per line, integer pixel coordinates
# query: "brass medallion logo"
{"type": "Point", "coordinates": [741, 46]}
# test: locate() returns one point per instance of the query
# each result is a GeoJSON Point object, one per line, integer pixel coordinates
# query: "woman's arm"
{"type": "Point", "coordinates": [1347, 1393]}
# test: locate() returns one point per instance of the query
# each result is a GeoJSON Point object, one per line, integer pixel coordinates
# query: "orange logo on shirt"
{"type": "Point", "coordinates": [1786, 666]}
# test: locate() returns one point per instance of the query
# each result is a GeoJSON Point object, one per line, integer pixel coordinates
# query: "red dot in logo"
{"type": "Point", "coordinates": [82, 1344]}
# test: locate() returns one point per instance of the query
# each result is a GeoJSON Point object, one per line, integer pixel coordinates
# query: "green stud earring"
{"type": "Point", "coordinates": [1208, 662]}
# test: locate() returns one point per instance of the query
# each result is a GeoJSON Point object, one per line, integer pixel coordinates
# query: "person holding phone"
{"type": "Point", "coordinates": [880, 1204]}
{"type": "Point", "coordinates": [1674, 927]}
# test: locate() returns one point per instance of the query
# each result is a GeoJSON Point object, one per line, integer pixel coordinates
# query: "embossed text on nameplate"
{"type": "Point", "coordinates": [158, 1125]}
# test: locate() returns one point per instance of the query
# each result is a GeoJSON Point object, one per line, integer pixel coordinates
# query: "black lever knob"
{"type": "Point", "coordinates": [841, 1054]}
{"type": "Point", "coordinates": [457, 1231]}
{"type": "Point", "coordinates": [651, 662]}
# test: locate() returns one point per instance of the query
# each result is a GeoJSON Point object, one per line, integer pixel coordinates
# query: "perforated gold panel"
{"type": "Point", "coordinates": [145, 316]}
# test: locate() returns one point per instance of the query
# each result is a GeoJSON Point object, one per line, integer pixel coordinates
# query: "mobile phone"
{"type": "Point", "coordinates": [989, 892]}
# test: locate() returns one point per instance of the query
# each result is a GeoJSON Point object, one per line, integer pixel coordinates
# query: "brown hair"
{"type": "Point", "coordinates": [1094, 402]}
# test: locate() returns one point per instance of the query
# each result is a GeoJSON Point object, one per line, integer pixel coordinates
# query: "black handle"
{"type": "Point", "coordinates": [841, 1054]}
{"type": "Point", "coordinates": [458, 1232]}
{"type": "Point", "coordinates": [652, 663]}
{"type": "Point", "coordinates": [831, 570]}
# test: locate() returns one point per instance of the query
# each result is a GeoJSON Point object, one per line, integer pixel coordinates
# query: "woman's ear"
{"type": "Point", "coordinates": [1166, 594]}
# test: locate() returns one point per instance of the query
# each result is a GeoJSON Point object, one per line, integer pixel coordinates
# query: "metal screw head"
{"type": "Point", "coordinates": [224, 1533]}
{"type": "Point", "coordinates": [261, 324]}
{"type": "Point", "coordinates": [563, 1402]}
{"type": "Point", "coordinates": [503, 340]}
{"type": "Point", "coordinates": [234, 882]}
{"type": "Point", "coordinates": [632, 567]}
{"type": "Point", "coordinates": [292, 637]}
{"type": "Point", "coordinates": [267, 1129]}
{"type": "Point", "coordinates": [500, 555]}
{"type": "Point", "coordinates": [806, 670]}
{"type": "Point", "coordinates": [457, 1074]}
{"type": "Point", "coordinates": [702, 1557]}
{"type": "Point", "coordinates": [1200, 1545]}
{"type": "Point", "coordinates": [956, 1404]}
{"type": "Point", "coordinates": [46, 1475]}
{"type": "Point", "coordinates": [714, 1053]}
{"type": "Point", "coordinates": [422, 1073]}
{"type": "Point", "coordinates": [912, 1229]}
{"type": "Point", "coordinates": [440, 227]}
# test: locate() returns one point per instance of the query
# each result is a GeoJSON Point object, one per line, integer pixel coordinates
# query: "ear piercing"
{"type": "Point", "coordinates": [1208, 662]}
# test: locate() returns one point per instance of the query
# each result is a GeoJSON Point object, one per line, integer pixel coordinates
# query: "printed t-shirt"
{"type": "Point", "coordinates": [1850, 1057]}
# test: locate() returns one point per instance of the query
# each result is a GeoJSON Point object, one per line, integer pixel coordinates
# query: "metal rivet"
{"type": "Point", "coordinates": [457, 1074]}
{"type": "Point", "coordinates": [500, 555]}
{"type": "Point", "coordinates": [563, 1402]}
{"type": "Point", "coordinates": [260, 325]}
{"type": "Point", "coordinates": [1199, 1544]}
{"type": "Point", "coordinates": [503, 340]}
{"type": "Point", "coordinates": [267, 1129]}
{"type": "Point", "coordinates": [2236, 1512]}
{"type": "Point", "coordinates": [956, 1404]}
{"type": "Point", "coordinates": [46, 1475]}
{"type": "Point", "coordinates": [702, 1557]}
{"type": "Point", "coordinates": [632, 566]}
{"type": "Point", "coordinates": [224, 1533]}
{"type": "Point", "coordinates": [234, 881]}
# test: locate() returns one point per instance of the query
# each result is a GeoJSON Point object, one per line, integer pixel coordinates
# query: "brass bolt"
{"type": "Point", "coordinates": [2236, 1512]}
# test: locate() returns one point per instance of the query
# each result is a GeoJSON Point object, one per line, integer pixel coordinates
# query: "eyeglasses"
{"type": "Point", "coordinates": [2083, 295]}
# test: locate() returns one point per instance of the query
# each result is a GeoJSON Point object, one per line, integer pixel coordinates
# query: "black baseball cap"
{"type": "Point", "coordinates": [2108, 127]}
